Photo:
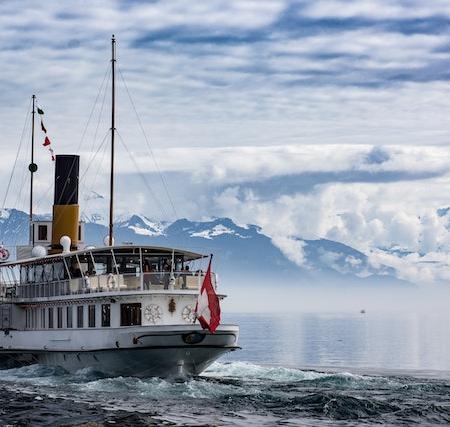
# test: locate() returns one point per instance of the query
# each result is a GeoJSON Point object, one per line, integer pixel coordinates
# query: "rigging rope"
{"type": "Point", "coordinates": [142, 175]}
{"type": "Point", "coordinates": [84, 186]}
{"type": "Point", "coordinates": [148, 144]}
{"type": "Point", "coordinates": [92, 110]}
{"type": "Point", "coordinates": [101, 111]}
{"type": "Point", "coordinates": [17, 155]}
{"type": "Point", "coordinates": [93, 181]}
{"type": "Point", "coordinates": [22, 180]}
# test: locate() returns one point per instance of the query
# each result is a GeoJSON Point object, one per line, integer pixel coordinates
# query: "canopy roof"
{"type": "Point", "coordinates": [125, 249]}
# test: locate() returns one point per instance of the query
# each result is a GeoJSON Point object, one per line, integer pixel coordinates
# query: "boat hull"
{"type": "Point", "coordinates": [161, 352]}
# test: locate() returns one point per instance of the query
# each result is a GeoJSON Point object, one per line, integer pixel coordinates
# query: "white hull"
{"type": "Point", "coordinates": [163, 351]}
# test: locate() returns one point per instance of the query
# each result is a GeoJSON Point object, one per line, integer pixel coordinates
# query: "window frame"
{"type": "Point", "coordinates": [91, 315]}
{"type": "Point", "coordinates": [69, 316]}
{"type": "Point", "coordinates": [106, 315]}
{"type": "Point", "coordinates": [80, 316]}
{"type": "Point", "coordinates": [59, 317]}
{"type": "Point", "coordinates": [51, 318]}
{"type": "Point", "coordinates": [127, 317]}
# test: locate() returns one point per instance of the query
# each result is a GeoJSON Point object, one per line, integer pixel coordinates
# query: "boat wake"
{"type": "Point", "coordinates": [237, 393]}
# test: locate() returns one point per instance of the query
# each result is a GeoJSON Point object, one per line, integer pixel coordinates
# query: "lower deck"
{"type": "Point", "coordinates": [104, 311]}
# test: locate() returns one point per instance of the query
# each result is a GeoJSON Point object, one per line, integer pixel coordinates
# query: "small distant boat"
{"type": "Point", "coordinates": [363, 311]}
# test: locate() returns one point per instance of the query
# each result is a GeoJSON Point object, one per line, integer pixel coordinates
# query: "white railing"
{"type": "Point", "coordinates": [113, 283]}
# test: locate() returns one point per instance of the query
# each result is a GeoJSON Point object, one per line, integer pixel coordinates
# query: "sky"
{"type": "Point", "coordinates": [313, 119]}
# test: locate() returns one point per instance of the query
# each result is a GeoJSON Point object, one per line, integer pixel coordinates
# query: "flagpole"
{"type": "Point", "coordinates": [32, 168]}
{"type": "Point", "coordinates": [113, 113]}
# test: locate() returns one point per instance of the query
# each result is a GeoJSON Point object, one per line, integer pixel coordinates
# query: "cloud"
{"type": "Point", "coordinates": [376, 9]}
{"type": "Point", "coordinates": [314, 119]}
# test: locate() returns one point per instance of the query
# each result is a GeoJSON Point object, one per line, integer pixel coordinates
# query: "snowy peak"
{"type": "Point", "coordinates": [218, 227]}
{"type": "Point", "coordinates": [143, 226]}
{"type": "Point", "coordinates": [93, 218]}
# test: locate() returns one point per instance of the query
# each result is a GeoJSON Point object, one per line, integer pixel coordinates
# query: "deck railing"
{"type": "Point", "coordinates": [112, 283]}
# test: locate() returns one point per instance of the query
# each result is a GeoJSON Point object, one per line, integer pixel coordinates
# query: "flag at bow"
{"type": "Point", "coordinates": [207, 309]}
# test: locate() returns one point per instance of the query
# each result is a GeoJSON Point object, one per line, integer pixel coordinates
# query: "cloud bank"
{"type": "Point", "coordinates": [324, 119]}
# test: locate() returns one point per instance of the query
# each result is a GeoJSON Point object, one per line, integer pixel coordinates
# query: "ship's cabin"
{"type": "Point", "coordinates": [108, 269]}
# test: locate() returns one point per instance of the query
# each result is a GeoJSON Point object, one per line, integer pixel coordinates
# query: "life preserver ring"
{"type": "Point", "coordinates": [4, 254]}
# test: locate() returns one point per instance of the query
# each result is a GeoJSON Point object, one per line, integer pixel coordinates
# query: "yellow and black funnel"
{"type": "Point", "coordinates": [65, 207]}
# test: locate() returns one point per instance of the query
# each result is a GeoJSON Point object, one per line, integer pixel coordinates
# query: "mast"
{"type": "Point", "coordinates": [32, 168]}
{"type": "Point", "coordinates": [113, 128]}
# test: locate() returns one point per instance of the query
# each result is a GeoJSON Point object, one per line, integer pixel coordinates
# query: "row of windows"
{"type": "Point", "coordinates": [42, 318]}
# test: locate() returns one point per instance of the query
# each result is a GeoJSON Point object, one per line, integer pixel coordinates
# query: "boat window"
{"type": "Point", "coordinates": [50, 317]}
{"type": "Point", "coordinates": [86, 263]}
{"type": "Point", "coordinates": [106, 315]}
{"type": "Point", "coordinates": [103, 263]}
{"type": "Point", "coordinates": [130, 314]}
{"type": "Point", "coordinates": [59, 271]}
{"type": "Point", "coordinates": [27, 320]}
{"type": "Point", "coordinates": [128, 264]}
{"type": "Point", "coordinates": [30, 270]}
{"type": "Point", "coordinates": [43, 318]}
{"type": "Point", "coordinates": [91, 317]}
{"type": "Point", "coordinates": [48, 273]}
{"type": "Point", "coordinates": [69, 316]}
{"type": "Point", "coordinates": [150, 264]}
{"type": "Point", "coordinates": [24, 274]}
{"type": "Point", "coordinates": [59, 314]}
{"type": "Point", "coordinates": [74, 267]}
{"type": "Point", "coordinates": [42, 232]}
{"type": "Point", "coordinates": [80, 323]}
{"type": "Point", "coordinates": [38, 273]}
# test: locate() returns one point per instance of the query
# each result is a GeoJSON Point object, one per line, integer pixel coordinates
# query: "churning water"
{"type": "Point", "coordinates": [361, 369]}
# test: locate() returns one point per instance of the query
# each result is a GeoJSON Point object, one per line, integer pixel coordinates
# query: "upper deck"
{"type": "Point", "coordinates": [131, 269]}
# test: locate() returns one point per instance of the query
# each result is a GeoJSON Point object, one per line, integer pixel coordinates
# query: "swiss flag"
{"type": "Point", "coordinates": [207, 308]}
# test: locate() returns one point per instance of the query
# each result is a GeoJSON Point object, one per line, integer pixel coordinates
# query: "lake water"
{"type": "Point", "coordinates": [303, 369]}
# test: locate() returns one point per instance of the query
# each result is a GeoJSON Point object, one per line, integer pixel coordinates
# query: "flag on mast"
{"type": "Point", "coordinates": [47, 141]}
{"type": "Point", "coordinates": [207, 309]}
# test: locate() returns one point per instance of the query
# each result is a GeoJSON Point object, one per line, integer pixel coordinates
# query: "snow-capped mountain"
{"type": "Point", "coordinates": [242, 253]}
{"type": "Point", "coordinates": [142, 225]}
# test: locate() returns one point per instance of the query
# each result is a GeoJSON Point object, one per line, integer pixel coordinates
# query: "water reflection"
{"type": "Point", "coordinates": [375, 340]}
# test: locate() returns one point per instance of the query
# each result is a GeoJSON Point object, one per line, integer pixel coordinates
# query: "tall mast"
{"type": "Point", "coordinates": [32, 168]}
{"type": "Point", "coordinates": [113, 128]}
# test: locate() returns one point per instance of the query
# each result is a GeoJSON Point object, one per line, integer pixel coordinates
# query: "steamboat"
{"type": "Point", "coordinates": [125, 309]}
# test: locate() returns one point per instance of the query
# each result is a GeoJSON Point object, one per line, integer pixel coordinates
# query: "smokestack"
{"type": "Point", "coordinates": [65, 207]}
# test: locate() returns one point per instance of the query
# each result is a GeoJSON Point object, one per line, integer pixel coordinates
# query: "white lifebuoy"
{"type": "Point", "coordinates": [4, 254]}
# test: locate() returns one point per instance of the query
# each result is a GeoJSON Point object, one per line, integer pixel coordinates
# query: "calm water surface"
{"type": "Point", "coordinates": [376, 340]}
{"type": "Point", "coordinates": [304, 369]}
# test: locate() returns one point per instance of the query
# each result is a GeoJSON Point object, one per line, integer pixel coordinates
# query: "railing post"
{"type": "Point", "coordinates": [141, 269]}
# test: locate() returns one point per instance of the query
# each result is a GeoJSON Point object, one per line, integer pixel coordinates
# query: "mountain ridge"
{"type": "Point", "coordinates": [243, 253]}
